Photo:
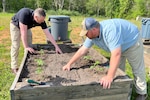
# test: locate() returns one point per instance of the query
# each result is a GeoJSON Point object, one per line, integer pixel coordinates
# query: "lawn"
{"type": "Point", "coordinates": [7, 77]}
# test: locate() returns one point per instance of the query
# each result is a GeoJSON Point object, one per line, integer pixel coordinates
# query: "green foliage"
{"type": "Point", "coordinates": [69, 13]}
{"type": "Point", "coordinates": [38, 70]}
{"type": "Point", "coordinates": [1, 28]}
{"type": "Point", "coordinates": [111, 6]}
{"type": "Point", "coordinates": [125, 7]}
{"type": "Point", "coordinates": [87, 57]}
{"type": "Point", "coordinates": [68, 35]}
{"type": "Point", "coordinates": [95, 64]}
{"type": "Point", "coordinates": [139, 8]}
{"type": "Point", "coordinates": [63, 12]}
{"type": "Point", "coordinates": [96, 67]}
{"type": "Point", "coordinates": [107, 8]}
{"type": "Point", "coordinates": [94, 7]}
{"type": "Point", "coordinates": [41, 52]}
{"type": "Point", "coordinates": [51, 12]}
{"type": "Point", "coordinates": [39, 62]}
{"type": "Point", "coordinates": [1, 9]}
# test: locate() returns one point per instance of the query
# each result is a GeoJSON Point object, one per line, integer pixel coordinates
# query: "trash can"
{"type": "Point", "coordinates": [146, 28]}
{"type": "Point", "coordinates": [59, 27]}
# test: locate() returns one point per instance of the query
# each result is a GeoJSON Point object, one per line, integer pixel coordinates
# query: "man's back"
{"type": "Point", "coordinates": [25, 16]}
{"type": "Point", "coordinates": [119, 32]}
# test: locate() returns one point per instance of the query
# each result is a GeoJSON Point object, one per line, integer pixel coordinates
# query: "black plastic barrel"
{"type": "Point", "coordinates": [59, 27]}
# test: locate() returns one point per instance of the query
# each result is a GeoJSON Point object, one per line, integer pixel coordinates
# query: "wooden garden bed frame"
{"type": "Point", "coordinates": [120, 90]}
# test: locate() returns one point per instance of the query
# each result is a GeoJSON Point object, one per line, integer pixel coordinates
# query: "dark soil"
{"type": "Point", "coordinates": [46, 66]}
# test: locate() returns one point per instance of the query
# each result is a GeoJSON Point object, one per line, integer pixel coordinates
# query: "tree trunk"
{"type": "Point", "coordinates": [69, 7]}
{"type": "Point", "coordinates": [56, 4]}
{"type": "Point", "coordinates": [4, 5]}
{"type": "Point", "coordinates": [37, 3]}
{"type": "Point", "coordinates": [61, 4]}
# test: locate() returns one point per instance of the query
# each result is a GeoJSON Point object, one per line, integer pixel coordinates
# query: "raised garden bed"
{"type": "Point", "coordinates": [81, 83]}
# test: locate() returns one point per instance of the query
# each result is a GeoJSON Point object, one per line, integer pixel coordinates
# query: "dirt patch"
{"type": "Point", "coordinates": [46, 66]}
{"type": "Point", "coordinates": [4, 36]}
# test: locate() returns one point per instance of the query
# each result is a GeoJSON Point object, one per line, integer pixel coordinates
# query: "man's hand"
{"type": "Point", "coordinates": [31, 50]}
{"type": "Point", "coordinates": [106, 81]}
{"type": "Point", "coordinates": [66, 67]}
{"type": "Point", "coordinates": [57, 49]}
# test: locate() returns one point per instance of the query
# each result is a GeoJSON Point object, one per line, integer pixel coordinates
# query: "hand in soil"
{"type": "Point", "coordinates": [66, 67]}
{"type": "Point", "coordinates": [31, 50]}
{"type": "Point", "coordinates": [58, 50]}
{"type": "Point", "coordinates": [106, 82]}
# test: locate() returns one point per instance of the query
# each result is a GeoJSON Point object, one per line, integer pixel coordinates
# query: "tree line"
{"type": "Point", "coordinates": [106, 8]}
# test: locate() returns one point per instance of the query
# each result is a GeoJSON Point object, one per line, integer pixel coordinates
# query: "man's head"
{"type": "Point", "coordinates": [39, 15]}
{"type": "Point", "coordinates": [90, 28]}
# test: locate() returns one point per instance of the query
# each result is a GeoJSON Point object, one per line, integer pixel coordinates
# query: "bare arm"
{"type": "Point", "coordinates": [114, 63]}
{"type": "Point", "coordinates": [83, 50]}
{"type": "Point", "coordinates": [23, 31]}
{"type": "Point", "coordinates": [50, 37]}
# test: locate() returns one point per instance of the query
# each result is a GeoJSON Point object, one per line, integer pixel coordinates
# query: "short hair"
{"type": "Point", "coordinates": [39, 12]}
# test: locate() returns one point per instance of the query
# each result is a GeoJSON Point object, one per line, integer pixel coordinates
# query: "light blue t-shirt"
{"type": "Point", "coordinates": [115, 33]}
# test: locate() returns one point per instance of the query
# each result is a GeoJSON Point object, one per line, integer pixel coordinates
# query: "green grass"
{"type": "Point", "coordinates": [7, 77]}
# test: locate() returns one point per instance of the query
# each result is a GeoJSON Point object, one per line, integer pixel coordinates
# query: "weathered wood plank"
{"type": "Point", "coordinates": [17, 76]}
{"type": "Point", "coordinates": [122, 96]}
{"type": "Point", "coordinates": [73, 92]}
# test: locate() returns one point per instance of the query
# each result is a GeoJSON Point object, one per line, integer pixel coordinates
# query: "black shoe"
{"type": "Point", "coordinates": [141, 97]}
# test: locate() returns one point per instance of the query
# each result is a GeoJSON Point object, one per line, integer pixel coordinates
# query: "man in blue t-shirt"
{"type": "Point", "coordinates": [20, 28]}
{"type": "Point", "coordinates": [122, 39]}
